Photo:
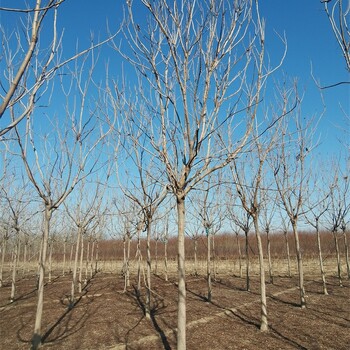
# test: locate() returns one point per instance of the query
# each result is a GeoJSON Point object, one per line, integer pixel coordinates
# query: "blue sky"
{"type": "Point", "coordinates": [310, 41]}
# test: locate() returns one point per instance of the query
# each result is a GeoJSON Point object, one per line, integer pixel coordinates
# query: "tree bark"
{"type": "Point", "coordinates": [247, 261]}
{"type": "Point", "coordinates": [263, 320]}
{"type": "Point", "coordinates": [81, 263]}
{"type": "Point", "coordinates": [149, 268]}
{"type": "Point", "coordinates": [346, 253]}
{"type": "Point", "coordinates": [300, 266]}
{"type": "Point", "coordinates": [3, 253]}
{"type": "Point", "coordinates": [166, 260]}
{"type": "Point", "coordinates": [75, 267]}
{"type": "Point", "coordinates": [269, 254]}
{"type": "Point", "coordinates": [36, 340]}
{"type": "Point", "coordinates": [239, 256]}
{"type": "Point", "coordinates": [14, 268]}
{"type": "Point", "coordinates": [323, 275]}
{"type": "Point", "coordinates": [208, 265]}
{"type": "Point", "coordinates": [288, 253]}
{"type": "Point", "coordinates": [336, 244]}
{"type": "Point", "coordinates": [181, 306]}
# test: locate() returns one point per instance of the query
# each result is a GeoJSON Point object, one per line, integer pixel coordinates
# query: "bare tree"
{"type": "Point", "coordinates": [146, 192]}
{"type": "Point", "coordinates": [317, 204]}
{"type": "Point", "coordinates": [192, 60]}
{"type": "Point", "coordinates": [338, 212]}
{"type": "Point", "coordinates": [207, 206]}
{"type": "Point", "coordinates": [31, 68]}
{"type": "Point", "coordinates": [242, 219]}
{"type": "Point", "coordinates": [57, 160]}
{"type": "Point", "coordinates": [337, 13]}
{"type": "Point", "coordinates": [291, 176]}
{"type": "Point", "coordinates": [248, 182]}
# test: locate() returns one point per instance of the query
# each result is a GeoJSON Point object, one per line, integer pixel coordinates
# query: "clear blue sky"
{"type": "Point", "coordinates": [309, 36]}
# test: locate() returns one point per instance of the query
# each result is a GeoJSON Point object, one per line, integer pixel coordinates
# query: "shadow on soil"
{"type": "Point", "coordinates": [157, 307]}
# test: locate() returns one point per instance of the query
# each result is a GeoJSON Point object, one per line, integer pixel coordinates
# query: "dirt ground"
{"type": "Point", "coordinates": [104, 317]}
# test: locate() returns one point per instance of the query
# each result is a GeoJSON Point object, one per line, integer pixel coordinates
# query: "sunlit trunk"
{"type": "Point", "coordinates": [64, 256]}
{"type": "Point", "coordinates": [36, 340]}
{"type": "Point", "coordinates": [75, 267]}
{"type": "Point", "coordinates": [269, 254]}
{"type": "Point", "coordinates": [181, 306]}
{"type": "Point", "coordinates": [81, 263]}
{"type": "Point", "coordinates": [239, 256]}
{"type": "Point", "coordinates": [50, 260]}
{"type": "Point", "coordinates": [149, 268]}
{"type": "Point", "coordinates": [166, 259]}
{"type": "Point", "coordinates": [3, 253]}
{"type": "Point", "coordinates": [14, 267]}
{"type": "Point", "coordinates": [323, 275]}
{"type": "Point", "coordinates": [288, 252]}
{"type": "Point", "coordinates": [247, 261]}
{"type": "Point", "coordinates": [263, 305]}
{"type": "Point", "coordinates": [346, 252]}
{"type": "Point", "coordinates": [300, 266]}
{"type": "Point", "coordinates": [336, 244]}
{"type": "Point", "coordinates": [195, 257]}
{"type": "Point", "coordinates": [208, 265]}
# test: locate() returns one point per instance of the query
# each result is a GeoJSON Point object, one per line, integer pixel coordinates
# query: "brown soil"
{"type": "Point", "coordinates": [104, 317]}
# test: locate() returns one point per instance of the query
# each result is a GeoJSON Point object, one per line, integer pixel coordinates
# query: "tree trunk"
{"type": "Point", "coordinates": [3, 253]}
{"type": "Point", "coordinates": [214, 258]}
{"type": "Point", "coordinates": [36, 339]}
{"type": "Point", "coordinates": [75, 267]}
{"type": "Point", "coordinates": [92, 259]}
{"type": "Point", "coordinates": [323, 275]}
{"type": "Point", "coordinates": [71, 257]}
{"type": "Point", "coordinates": [263, 320]}
{"type": "Point", "coordinates": [181, 306]}
{"type": "Point", "coordinates": [149, 268]}
{"type": "Point", "coordinates": [300, 266]}
{"type": "Point", "coordinates": [25, 252]}
{"type": "Point", "coordinates": [288, 253]}
{"type": "Point", "coordinates": [166, 259]}
{"type": "Point", "coordinates": [269, 254]}
{"type": "Point", "coordinates": [138, 253]}
{"type": "Point", "coordinates": [239, 256]}
{"type": "Point", "coordinates": [96, 258]}
{"type": "Point", "coordinates": [64, 256]}
{"type": "Point", "coordinates": [14, 267]}
{"type": "Point", "coordinates": [195, 257]}
{"type": "Point", "coordinates": [208, 265]}
{"type": "Point", "coordinates": [50, 260]}
{"type": "Point", "coordinates": [81, 264]}
{"type": "Point", "coordinates": [128, 263]}
{"type": "Point", "coordinates": [346, 253]}
{"type": "Point", "coordinates": [87, 262]}
{"type": "Point", "coordinates": [156, 257]}
{"type": "Point", "coordinates": [247, 261]}
{"type": "Point", "coordinates": [336, 244]}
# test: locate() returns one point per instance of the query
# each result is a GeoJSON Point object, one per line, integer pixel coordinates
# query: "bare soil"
{"type": "Point", "coordinates": [104, 317]}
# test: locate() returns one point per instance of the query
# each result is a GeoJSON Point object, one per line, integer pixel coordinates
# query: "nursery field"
{"type": "Point", "coordinates": [104, 317]}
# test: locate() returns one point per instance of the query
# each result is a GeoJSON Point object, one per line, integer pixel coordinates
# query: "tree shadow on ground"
{"type": "Point", "coordinates": [157, 307]}
{"type": "Point", "coordinates": [65, 325]}
{"type": "Point", "coordinates": [286, 339]}
{"type": "Point", "coordinates": [280, 300]}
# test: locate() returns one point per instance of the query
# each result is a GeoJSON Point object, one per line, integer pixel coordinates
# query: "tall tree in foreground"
{"type": "Point", "coordinates": [201, 72]}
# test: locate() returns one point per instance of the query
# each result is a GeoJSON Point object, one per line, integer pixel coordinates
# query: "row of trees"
{"type": "Point", "coordinates": [194, 122]}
